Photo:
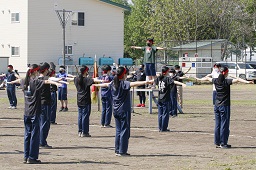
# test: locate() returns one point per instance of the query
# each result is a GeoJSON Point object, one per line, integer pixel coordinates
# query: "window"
{"type": "Point", "coordinates": [69, 50]}
{"type": "Point", "coordinates": [15, 51]}
{"type": "Point", "coordinates": [15, 17]}
{"type": "Point", "coordinates": [78, 18]}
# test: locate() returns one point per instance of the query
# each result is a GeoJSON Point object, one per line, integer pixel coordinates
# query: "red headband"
{"type": "Point", "coordinates": [43, 70]}
{"type": "Point", "coordinates": [86, 69]}
{"type": "Point", "coordinates": [52, 73]}
{"type": "Point", "coordinates": [122, 75]}
{"type": "Point", "coordinates": [164, 73]}
{"type": "Point", "coordinates": [33, 70]}
{"type": "Point", "coordinates": [225, 72]}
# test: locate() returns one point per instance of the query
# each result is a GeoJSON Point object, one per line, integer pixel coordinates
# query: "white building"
{"type": "Point", "coordinates": [30, 31]}
{"type": "Point", "coordinates": [200, 56]}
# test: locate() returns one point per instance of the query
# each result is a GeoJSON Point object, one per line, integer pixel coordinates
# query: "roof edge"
{"type": "Point", "coordinates": [116, 4]}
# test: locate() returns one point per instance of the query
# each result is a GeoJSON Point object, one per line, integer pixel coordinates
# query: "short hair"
{"type": "Point", "coordinates": [177, 67]}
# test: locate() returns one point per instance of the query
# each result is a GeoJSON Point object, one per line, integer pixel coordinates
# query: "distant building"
{"type": "Point", "coordinates": [30, 31]}
{"type": "Point", "coordinates": [200, 55]}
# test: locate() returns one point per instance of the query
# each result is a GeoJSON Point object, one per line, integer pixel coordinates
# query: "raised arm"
{"type": "Point", "coordinates": [179, 83]}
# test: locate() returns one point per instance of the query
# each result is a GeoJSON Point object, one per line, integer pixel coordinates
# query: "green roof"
{"type": "Point", "coordinates": [116, 4]}
{"type": "Point", "coordinates": [198, 44]}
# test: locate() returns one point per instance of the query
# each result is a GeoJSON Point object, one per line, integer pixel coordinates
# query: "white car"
{"type": "Point", "coordinates": [239, 69]}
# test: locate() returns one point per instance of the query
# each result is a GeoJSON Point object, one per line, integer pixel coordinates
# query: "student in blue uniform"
{"type": "Point", "coordinates": [222, 106]}
{"type": "Point", "coordinates": [45, 117]}
{"type": "Point", "coordinates": [63, 91]}
{"type": "Point", "coordinates": [106, 98]}
{"type": "Point", "coordinates": [32, 90]}
{"type": "Point", "coordinates": [83, 84]}
{"type": "Point", "coordinates": [141, 76]}
{"type": "Point", "coordinates": [164, 83]}
{"type": "Point", "coordinates": [173, 97]}
{"type": "Point", "coordinates": [11, 88]}
{"type": "Point", "coordinates": [120, 90]}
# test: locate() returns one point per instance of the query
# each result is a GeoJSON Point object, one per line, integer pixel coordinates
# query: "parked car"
{"type": "Point", "coordinates": [241, 70]}
{"type": "Point", "coordinates": [253, 64]}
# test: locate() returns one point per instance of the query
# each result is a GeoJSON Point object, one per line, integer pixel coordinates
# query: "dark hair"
{"type": "Point", "coordinates": [106, 68]}
{"type": "Point", "coordinates": [10, 66]}
{"type": "Point", "coordinates": [172, 71]}
{"type": "Point", "coordinates": [119, 73]}
{"type": "Point", "coordinates": [221, 77]}
{"type": "Point", "coordinates": [81, 75]}
{"type": "Point", "coordinates": [44, 66]}
{"type": "Point", "coordinates": [28, 74]}
{"type": "Point", "coordinates": [217, 65]}
{"type": "Point", "coordinates": [177, 67]}
{"type": "Point", "coordinates": [164, 71]}
{"type": "Point", "coordinates": [62, 67]}
{"type": "Point", "coordinates": [142, 65]}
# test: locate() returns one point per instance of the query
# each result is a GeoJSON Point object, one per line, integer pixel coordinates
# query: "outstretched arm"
{"type": "Point", "coordinates": [101, 85]}
{"type": "Point", "coordinates": [140, 83]}
{"type": "Point", "coordinates": [179, 83]}
{"type": "Point", "coordinates": [204, 79]}
{"type": "Point", "coordinates": [96, 80]}
{"type": "Point", "coordinates": [52, 82]}
{"type": "Point", "coordinates": [2, 75]}
{"type": "Point", "coordinates": [135, 47]}
{"type": "Point", "coordinates": [15, 81]}
{"type": "Point", "coordinates": [160, 48]}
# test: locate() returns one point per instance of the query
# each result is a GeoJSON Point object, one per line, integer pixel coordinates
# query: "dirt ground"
{"type": "Point", "coordinates": [189, 145]}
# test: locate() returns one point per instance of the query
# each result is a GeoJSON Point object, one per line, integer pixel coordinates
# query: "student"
{"type": "Point", "coordinates": [45, 117]}
{"type": "Point", "coordinates": [215, 74]}
{"type": "Point", "coordinates": [141, 76]}
{"type": "Point", "coordinates": [32, 91]}
{"type": "Point", "coordinates": [62, 91]}
{"type": "Point", "coordinates": [106, 98]}
{"type": "Point", "coordinates": [164, 84]}
{"type": "Point", "coordinates": [83, 84]}
{"type": "Point", "coordinates": [120, 90]}
{"type": "Point", "coordinates": [222, 106]}
{"type": "Point", "coordinates": [173, 97]}
{"type": "Point", "coordinates": [149, 58]}
{"type": "Point", "coordinates": [11, 88]}
{"type": "Point", "coordinates": [179, 74]}
{"type": "Point", "coordinates": [53, 89]}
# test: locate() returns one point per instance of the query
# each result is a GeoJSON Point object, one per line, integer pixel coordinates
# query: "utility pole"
{"type": "Point", "coordinates": [63, 21]}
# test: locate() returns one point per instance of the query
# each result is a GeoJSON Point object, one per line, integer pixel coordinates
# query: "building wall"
{"type": "Point", "coordinates": [103, 33]}
{"type": "Point", "coordinates": [14, 34]}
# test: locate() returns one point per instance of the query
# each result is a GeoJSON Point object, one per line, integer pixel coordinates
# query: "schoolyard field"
{"type": "Point", "coordinates": [189, 144]}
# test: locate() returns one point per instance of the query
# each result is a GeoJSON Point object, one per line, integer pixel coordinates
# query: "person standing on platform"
{"type": "Point", "coordinates": [149, 58]}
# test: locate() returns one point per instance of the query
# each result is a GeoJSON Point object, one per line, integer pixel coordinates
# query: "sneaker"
{"type": "Point", "coordinates": [25, 160]}
{"type": "Point", "coordinates": [9, 107]}
{"type": "Point", "coordinates": [108, 126]}
{"type": "Point", "coordinates": [54, 123]}
{"type": "Point", "coordinates": [65, 109]}
{"type": "Point", "coordinates": [173, 116]}
{"type": "Point", "coordinates": [225, 146]}
{"type": "Point", "coordinates": [102, 126]}
{"type": "Point", "coordinates": [61, 109]}
{"type": "Point", "coordinates": [85, 135]}
{"type": "Point", "coordinates": [46, 146]}
{"type": "Point", "coordinates": [14, 107]}
{"type": "Point", "coordinates": [138, 105]}
{"type": "Point", "coordinates": [33, 161]}
{"type": "Point", "coordinates": [122, 154]}
{"type": "Point", "coordinates": [167, 130]}
{"type": "Point", "coordinates": [79, 134]}
{"type": "Point", "coordinates": [142, 105]}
